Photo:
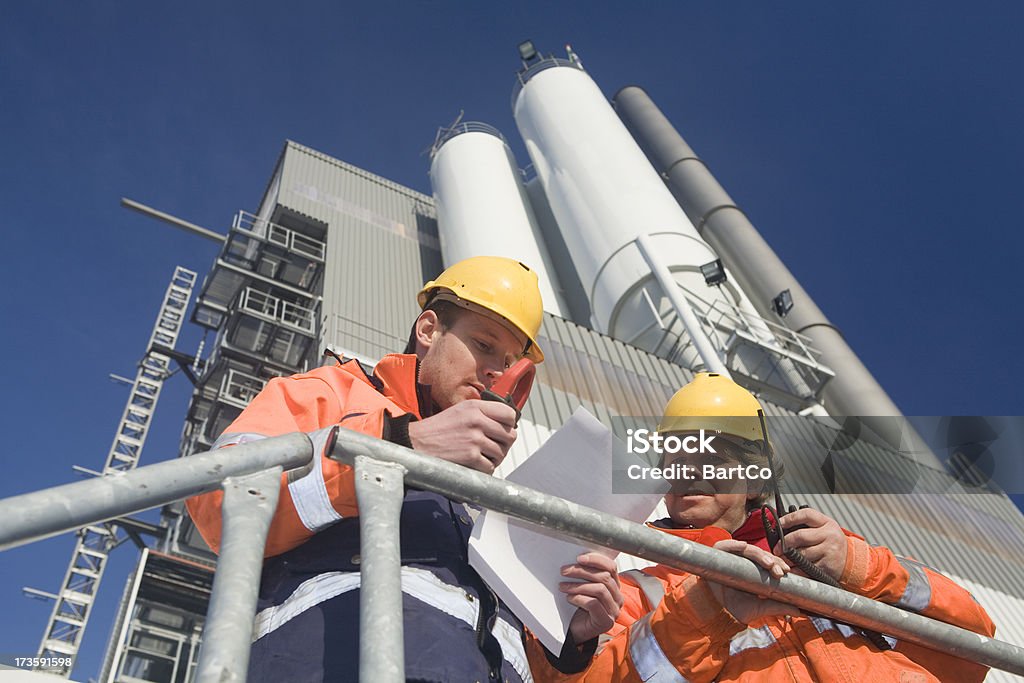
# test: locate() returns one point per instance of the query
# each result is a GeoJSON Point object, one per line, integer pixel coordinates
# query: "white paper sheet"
{"type": "Point", "coordinates": [521, 562]}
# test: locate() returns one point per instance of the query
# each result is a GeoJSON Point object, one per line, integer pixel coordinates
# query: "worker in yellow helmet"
{"type": "Point", "coordinates": [478, 318]}
{"type": "Point", "coordinates": [676, 627]}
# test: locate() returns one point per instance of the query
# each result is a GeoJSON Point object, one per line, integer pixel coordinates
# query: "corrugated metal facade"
{"type": "Point", "coordinates": [1005, 610]}
{"type": "Point", "coordinates": [382, 245]}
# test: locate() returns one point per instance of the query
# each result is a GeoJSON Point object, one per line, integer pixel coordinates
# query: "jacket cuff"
{"type": "Point", "coordinates": [858, 556]}
{"type": "Point", "coordinates": [573, 658]}
{"type": "Point", "coordinates": [396, 429]}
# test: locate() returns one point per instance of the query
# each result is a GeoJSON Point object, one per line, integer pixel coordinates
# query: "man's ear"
{"type": "Point", "coordinates": [426, 329]}
{"type": "Point", "coordinates": [752, 496]}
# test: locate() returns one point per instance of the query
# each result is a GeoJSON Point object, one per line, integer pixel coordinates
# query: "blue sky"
{"type": "Point", "coordinates": [877, 147]}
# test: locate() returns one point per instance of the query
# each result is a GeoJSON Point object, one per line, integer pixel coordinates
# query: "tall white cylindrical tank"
{"type": "Point", "coordinates": [604, 193]}
{"type": "Point", "coordinates": [482, 207]}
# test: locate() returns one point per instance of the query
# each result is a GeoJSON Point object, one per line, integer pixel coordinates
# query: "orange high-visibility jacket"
{"type": "Point", "coordinates": [689, 637]}
{"type": "Point", "coordinates": [314, 402]}
{"type": "Point", "coordinates": [447, 608]}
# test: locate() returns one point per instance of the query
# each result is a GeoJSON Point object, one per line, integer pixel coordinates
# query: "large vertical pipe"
{"type": "Point", "coordinates": [759, 270]}
{"type": "Point", "coordinates": [708, 354]}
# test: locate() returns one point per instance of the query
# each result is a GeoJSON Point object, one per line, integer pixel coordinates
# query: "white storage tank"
{"type": "Point", "coordinates": [605, 194]}
{"type": "Point", "coordinates": [482, 207]}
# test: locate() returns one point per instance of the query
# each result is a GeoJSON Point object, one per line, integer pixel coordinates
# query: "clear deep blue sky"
{"type": "Point", "coordinates": [876, 145]}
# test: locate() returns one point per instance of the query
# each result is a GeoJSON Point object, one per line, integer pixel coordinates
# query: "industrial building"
{"type": "Point", "coordinates": [649, 273]}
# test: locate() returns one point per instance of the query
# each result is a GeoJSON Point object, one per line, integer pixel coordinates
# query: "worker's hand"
{"type": "Point", "coordinates": [471, 433]}
{"type": "Point", "coordinates": [747, 607]}
{"type": "Point", "coordinates": [595, 592]}
{"type": "Point", "coordinates": [822, 542]}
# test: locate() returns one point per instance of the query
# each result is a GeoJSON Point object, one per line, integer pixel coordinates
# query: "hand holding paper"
{"type": "Point", "coordinates": [522, 562]}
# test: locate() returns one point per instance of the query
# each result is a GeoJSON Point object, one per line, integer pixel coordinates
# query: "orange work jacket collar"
{"type": "Point", "coordinates": [397, 373]}
{"type": "Point", "coordinates": [707, 536]}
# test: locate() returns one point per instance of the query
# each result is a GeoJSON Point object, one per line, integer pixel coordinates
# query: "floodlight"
{"type": "Point", "coordinates": [714, 273]}
{"type": "Point", "coordinates": [783, 303]}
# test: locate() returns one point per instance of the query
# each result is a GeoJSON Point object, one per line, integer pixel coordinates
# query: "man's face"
{"type": "Point", "coordinates": [711, 502]}
{"type": "Point", "coordinates": [461, 362]}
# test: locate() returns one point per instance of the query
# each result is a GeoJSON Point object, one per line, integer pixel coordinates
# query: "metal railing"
{"type": "Point", "coordinates": [263, 229]}
{"type": "Point", "coordinates": [249, 474]}
{"type": "Point", "coordinates": [446, 133]}
{"type": "Point", "coordinates": [277, 310]}
{"type": "Point", "coordinates": [724, 325]}
{"type": "Point", "coordinates": [239, 388]}
{"type": "Point", "coordinates": [543, 64]}
{"type": "Point", "coordinates": [250, 477]}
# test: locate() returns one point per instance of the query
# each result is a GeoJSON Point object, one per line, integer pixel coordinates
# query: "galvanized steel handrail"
{"type": "Point", "coordinates": [250, 476]}
{"type": "Point", "coordinates": [34, 516]}
{"type": "Point", "coordinates": [577, 521]}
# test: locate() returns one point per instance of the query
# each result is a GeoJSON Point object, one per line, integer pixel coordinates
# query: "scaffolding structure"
{"type": "Point", "coordinates": [262, 300]}
{"type": "Point", "coordinates": [73, 602]}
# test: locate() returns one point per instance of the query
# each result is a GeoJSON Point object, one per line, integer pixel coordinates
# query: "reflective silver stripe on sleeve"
{"type": "Point", "coordinates": [236, 438]}
{"type": "Point", "coordinates": [822, 624]}
{"type": "Point", "coordinates": [751, 639]}
{"type": "Point", "coordinates": [918, 592]}
{"type": "Point", "coordinates": [309, 493]}
{"type": "Point", "coordinates": [652, 587]}
{"type": "Point", "coordinates": [650, 661]}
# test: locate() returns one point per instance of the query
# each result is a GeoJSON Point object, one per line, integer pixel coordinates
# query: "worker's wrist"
{"type": "Point", "coordinates": [574, 657]}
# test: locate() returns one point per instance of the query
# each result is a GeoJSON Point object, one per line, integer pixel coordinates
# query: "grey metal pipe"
{"type": "Point", "coordinates": [205, 233]}
{"type": "Point", "coordinates": [34, 516]}
{"type": "Point", "coordinates": [712, 361]}
{"type": "Point", "coordinates": [574, 520]}
{"type": "Point", "coordinates": [756, 266]}
{"type": "Point", "coordinates": [249, 504]}
{"type": "Point", "coordinates": [380, 490]}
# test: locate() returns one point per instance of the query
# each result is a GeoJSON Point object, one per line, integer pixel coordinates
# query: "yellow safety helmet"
{"type": "Point", "coordinates": [502, 286]}
{"type": "Point", "coordinates": [714, 402]}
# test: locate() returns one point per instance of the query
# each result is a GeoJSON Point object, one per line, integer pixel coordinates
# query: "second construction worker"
{"type": "Point", "coordinates": [478, 317]}
{"type": "Point", "coordinates": [677, 627]}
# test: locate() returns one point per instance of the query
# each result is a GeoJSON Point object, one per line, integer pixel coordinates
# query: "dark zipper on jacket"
{"type": "Point", "coordinates": [487, 612]}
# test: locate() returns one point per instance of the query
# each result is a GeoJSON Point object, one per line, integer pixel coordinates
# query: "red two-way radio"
{"type": "Point", "coordinates": [513, 387]}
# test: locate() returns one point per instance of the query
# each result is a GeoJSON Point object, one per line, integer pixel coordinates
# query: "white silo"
{"type": "Point", "coordinates": [605, 195]}
{"type": "Point", "coordinates": [482, 208]}
{"type": "Point", "coordinates": [637, 254]}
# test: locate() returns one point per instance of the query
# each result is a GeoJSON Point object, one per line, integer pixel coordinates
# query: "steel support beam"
{"type": "Point", "coordinates": [248, 507]}
{"type": "Point", "coordinates": [380, 490]}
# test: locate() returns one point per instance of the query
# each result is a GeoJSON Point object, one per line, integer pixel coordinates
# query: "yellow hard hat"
{"type": "Point", "coordinates": [714, 402]}
{"type": "Point", "coordinates": [502, 286]}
